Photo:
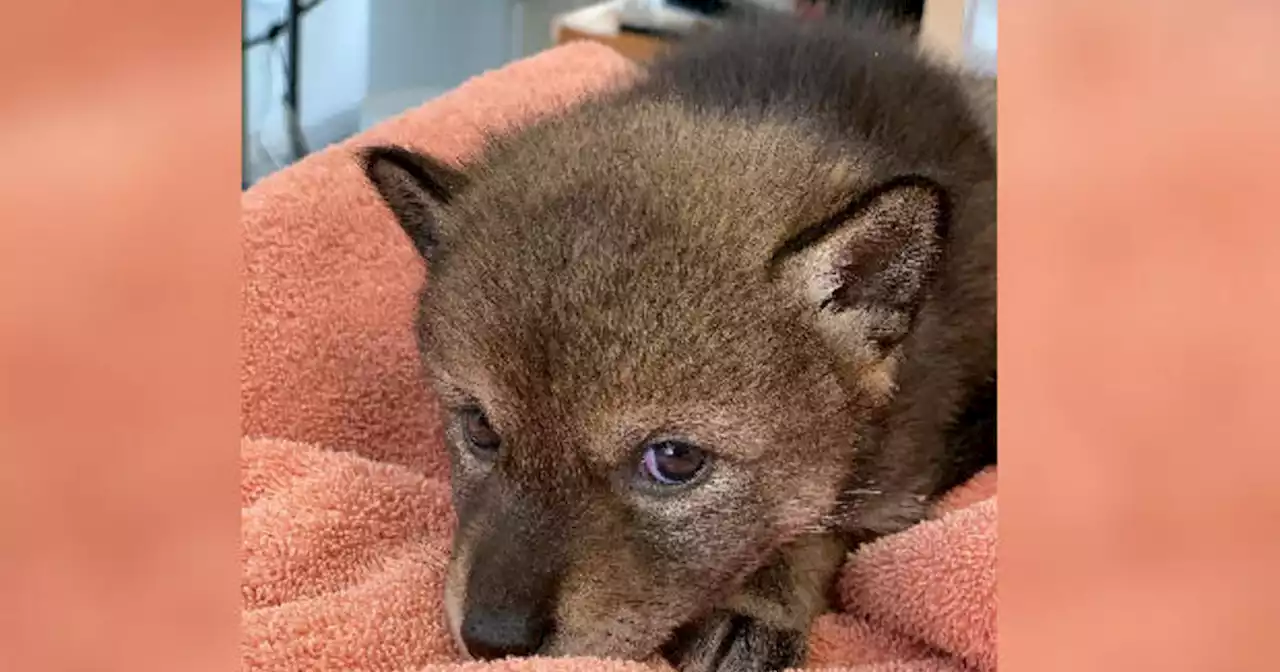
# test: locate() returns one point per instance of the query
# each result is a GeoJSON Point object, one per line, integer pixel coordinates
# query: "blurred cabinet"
{"type": "Point", "coordinates": [600, 23]}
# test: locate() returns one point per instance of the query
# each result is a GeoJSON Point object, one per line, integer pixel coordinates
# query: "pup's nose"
{"type": "Point", "coordinates": [490, 635]}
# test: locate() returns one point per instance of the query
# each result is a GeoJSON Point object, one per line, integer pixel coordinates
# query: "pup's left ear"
{"type": "Point", "coordinates": [415, 187]}
{"type": "Point", "coordinates": [867, 270]}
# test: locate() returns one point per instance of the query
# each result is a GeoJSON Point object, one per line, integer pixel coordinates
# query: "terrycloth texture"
{"type": "Point", "coordinates": [346, 519]}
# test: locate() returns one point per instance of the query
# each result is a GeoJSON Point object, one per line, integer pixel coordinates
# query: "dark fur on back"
{"type": "Point", "coordinates": [847, 82]}
{"type": "Point", "coordinates": [778, 246]}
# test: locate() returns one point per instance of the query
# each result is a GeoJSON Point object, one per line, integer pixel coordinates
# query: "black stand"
{"type": "Point", "coordinates": [290, 26]}
{"type": "Point", "coordinates": [291, 81]}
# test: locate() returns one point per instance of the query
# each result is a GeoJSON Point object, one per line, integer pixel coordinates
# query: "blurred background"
{"type": "Point", "coordinates": [319, 71]}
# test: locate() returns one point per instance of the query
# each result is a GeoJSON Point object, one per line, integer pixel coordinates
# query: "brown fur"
{"type": "Point", "coordinates": [780, 247]}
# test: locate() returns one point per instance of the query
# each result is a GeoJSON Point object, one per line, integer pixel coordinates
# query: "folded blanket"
{"type": "Point", "coordinates": [346, 517]}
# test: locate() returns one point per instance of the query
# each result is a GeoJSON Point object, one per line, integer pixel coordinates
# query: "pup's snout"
{"type": "Point", "coordinates": [507, 629]}
{"type": "Point", "coordinates": [513, 579]}
{"type": "Point", "coordinates": [490, 634]}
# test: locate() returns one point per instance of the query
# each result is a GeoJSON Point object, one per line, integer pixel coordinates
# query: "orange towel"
{"type": "Point", "coordinates": [345, 511]}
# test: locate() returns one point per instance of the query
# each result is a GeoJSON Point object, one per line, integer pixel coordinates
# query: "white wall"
{"type": "Point", "coordinates": [426, 47]}
{"type": "Point", "coordinates": [423, 48]}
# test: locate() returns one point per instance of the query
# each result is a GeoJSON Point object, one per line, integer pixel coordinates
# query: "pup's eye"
{"type": "Point", "coordinates": [479, 434]}
{"type": "Point", "coordinates": [672, 462]}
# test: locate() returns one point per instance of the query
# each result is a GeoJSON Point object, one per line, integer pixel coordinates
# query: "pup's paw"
{"type": "Point", "coordinates": [729, 642]}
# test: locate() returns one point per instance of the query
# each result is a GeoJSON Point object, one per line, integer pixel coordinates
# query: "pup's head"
{"type": "Point", "coordinates": [657, 349]}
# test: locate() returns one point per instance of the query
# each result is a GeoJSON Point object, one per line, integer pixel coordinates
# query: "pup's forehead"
{"type": "Point", "coordinates": [651, 334]}
{"type": "Point", "coordinates": [623, 346]}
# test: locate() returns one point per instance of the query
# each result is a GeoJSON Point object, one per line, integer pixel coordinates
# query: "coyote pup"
{"type": "Point", "coordinates": [696, 338]}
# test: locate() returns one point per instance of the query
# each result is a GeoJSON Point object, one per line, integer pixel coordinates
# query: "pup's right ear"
{"type": "Point", "coordinates": [867, 270]}
{"type": "Point", "coordinates": [415, 187]}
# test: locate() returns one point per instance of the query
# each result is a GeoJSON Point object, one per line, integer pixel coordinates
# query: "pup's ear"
{"type": "Point", "coordinates": [415, 187]}
{"type": "Point", "coordinates": [867, 269]}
